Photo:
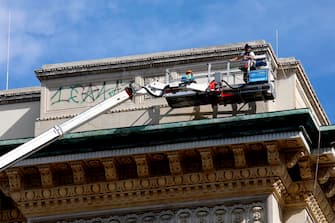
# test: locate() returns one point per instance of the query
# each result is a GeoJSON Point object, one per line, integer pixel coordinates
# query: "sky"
{"type": "Point", "coordinates": [57, 31]}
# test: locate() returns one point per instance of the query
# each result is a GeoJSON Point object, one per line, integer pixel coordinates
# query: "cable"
{"type": "Point", "coordinates": [317, 162]}
{"type": "Point", "coordinates": [238, 87]}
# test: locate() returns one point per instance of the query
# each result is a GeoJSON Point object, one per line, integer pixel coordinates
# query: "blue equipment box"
{"type": "Point", "coordinates": [256, 76]}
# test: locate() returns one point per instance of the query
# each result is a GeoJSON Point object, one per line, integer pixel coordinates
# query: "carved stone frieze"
{"type": "Point", "coordinates": [254, 212]}
{"type": "Point", "coordinates": [12, 215]}
{"type": "Point", "coordinates": [181, 183]}
{"type": "Point", "coordinates": [146, 190]}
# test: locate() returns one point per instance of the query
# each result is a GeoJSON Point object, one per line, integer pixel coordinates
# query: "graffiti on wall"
{"type": "Point", "coordinates": [85, 94]}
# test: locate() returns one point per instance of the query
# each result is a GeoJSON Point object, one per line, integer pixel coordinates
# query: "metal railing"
{"type": "Point", "coordinates": [230, 71]}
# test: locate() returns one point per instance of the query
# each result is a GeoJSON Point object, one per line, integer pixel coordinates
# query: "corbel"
{"type": "Point", "coordinates": [239, 156]}
{"type": "Point", "coordinates": [142, 165]}
{"type": "Point", "coordinates": [46, 175]}
{"type": "Point", "coordinates": [174, 162]}
{"type": "Point", "coordinates": [206, 159]}
{"type": "Point", "coordinates": [15, 178]}
{"type": "Point", "coordinates": [272, 153]}
{"type": "Point", "coordinates": [78, 172]}
{"type": "Point", "coordinates": [294, 159]}
{"type": "Point", "coordinates": [110, 166]}
{"type": "Point", "coordinates": [305, 169]}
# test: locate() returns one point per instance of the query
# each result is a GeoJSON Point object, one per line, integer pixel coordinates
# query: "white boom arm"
{"type": "Point", "coordinates": [155, 89]}
{"type": "Point", "coordinates": [58, 131]}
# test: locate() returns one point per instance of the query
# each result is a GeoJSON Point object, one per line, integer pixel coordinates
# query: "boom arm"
{"type": "Point", "coordinates": [181, 94]}
{"type": "Point", "coordinates": [56, 132]}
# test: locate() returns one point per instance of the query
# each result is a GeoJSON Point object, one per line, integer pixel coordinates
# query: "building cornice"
{"type": "Point", "coordinates": [20, 95]}
{"type": "Point", "coordinates": [145, 61]}
{"type": "Point", "coordinates": [283, 167]}
{"type": "Point", "coordinates": [300, 120]}
{"type": "Point", "coordinates": [208, 182]}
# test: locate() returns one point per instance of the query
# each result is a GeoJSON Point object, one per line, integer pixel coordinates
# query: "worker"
{"type": "Point", "coordinates": [248, 59]}
{"type": "Point", "coordinates": [188, 77]}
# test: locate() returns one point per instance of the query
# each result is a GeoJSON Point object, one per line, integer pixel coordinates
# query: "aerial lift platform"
{"type": "Point", "coordinates": [216, 90]}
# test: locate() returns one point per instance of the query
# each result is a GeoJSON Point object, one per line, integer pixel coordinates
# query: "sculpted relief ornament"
{"type": "Point", "coordinates": [249, 213]}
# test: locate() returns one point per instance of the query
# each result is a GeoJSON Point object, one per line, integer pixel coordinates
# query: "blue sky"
{"type": "Point", "coordinates": [56, 31]}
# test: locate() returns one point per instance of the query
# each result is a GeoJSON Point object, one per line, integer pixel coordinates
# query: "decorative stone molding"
{"type": "Point", "coordinates": [331, 190]}
{"type": "Point", "coordinates": [110, 169]}
{"type": "Point", "coordinates": [4, 183]}
{"type": "Point", "coordinates": [272, 153]}
{"type": "Point", "coordinates": [239, 156]}
{"type": "Point", "coordinates": [315, 210]}
{"type": "Point", "coordinates": [144, 188]}
{"type": "Point", "coordinates": [11, 215]}
{"type": "Point", "coordinates": [157, 60]}
{"type": "Point", "coordinates": [78, 172]}
{"type": "Point", "coordinates": [280, 191]}
{"type": "Point", "coordinates": [144, 191]}
{"type": "Point", "coordinates": [15, 179]}
{"type": "Point", "coordinates": [20, 95]}
{"type": "Point", "coordinates": [323, 203]}
{"type": "Point", "coordinates": [206, 159]}
{"type": "Point", "coordinates": [175, 162]}
{"type": "Point", "coordinates": [325, 174]}
{"type": "Point", "coordinates": [307, 192]}
{"type": "Point", "coordinates": [251, 212]}
{"type": "Point", "coordinates": [46, 175]}
{"type": "Point", "coordinates": [142, 165]}
{"type": "Point", "coordinates": [294, 159]}
{"type": "Point", "coordinates": [305, 169]}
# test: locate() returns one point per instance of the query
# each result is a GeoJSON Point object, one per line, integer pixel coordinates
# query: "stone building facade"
{"type": "Point", "coordinates": [269, 161]}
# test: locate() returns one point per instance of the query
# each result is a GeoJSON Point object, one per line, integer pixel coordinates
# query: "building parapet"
{"type": "Point", "coordinates": [20, 95]}
{"type": "Point", "coordinates": [163, 59]}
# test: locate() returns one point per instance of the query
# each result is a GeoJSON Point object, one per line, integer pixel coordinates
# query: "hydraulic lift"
{"type": "Point", "coordinates": [178, 94]}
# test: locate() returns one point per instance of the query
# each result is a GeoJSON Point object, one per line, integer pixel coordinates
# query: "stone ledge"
{"type": "Point", "coordinates": [142, 61]}
{"type": "Point", "coordinates": [20, 95]}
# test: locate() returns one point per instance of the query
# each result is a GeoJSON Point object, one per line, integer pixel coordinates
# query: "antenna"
{"type": "Point", "coordinates": [277, 48]}
{"type": "Point", "coordinates": [8, 50]}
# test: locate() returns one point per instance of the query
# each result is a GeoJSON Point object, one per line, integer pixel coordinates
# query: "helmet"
{"type": "Point", "coordinates": [189, 72]}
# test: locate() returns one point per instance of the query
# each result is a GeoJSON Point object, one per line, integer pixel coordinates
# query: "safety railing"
{"type": "Point", "coordinates": [228, 71]}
